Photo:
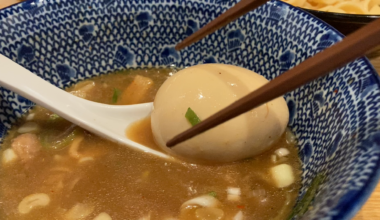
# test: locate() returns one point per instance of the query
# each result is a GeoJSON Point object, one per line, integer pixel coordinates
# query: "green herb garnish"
{"type": "Point", "coordinates": [54, 117]}
{"type": "Point", "coordinates": [53, 139]}
{"type": "Point", "coordinates": [303, 205]}
{"type": "Point", "coordinates": [116, 94]}
{"type": "Point", "coordinates": [213, 194]}
{"type": "Point", "coordinates": [192, 117]}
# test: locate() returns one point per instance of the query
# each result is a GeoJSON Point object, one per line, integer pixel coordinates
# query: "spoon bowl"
{"type": "Point", "coordinates": [107, 121]}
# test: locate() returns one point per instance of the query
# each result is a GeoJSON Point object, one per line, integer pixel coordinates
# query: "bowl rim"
{"type": "Point", "coordinates": [362, 18]}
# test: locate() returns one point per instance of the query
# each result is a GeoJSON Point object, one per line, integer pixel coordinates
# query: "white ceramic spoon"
{"type": "Point", "coordinates": [108, 121]}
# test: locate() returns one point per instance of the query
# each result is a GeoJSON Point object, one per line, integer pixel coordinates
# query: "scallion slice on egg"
{"type": "Point", "coordinates": [192, 117]}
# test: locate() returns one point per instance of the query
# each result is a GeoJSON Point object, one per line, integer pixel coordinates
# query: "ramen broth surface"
{"type": "Point", "coordinates": [84, 175]}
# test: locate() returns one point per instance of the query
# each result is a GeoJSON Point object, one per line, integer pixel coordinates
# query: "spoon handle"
{"type": "Point", "coordinates": [107, 121]}
{"type": "Point", "coordinates": [81, 112]}
{"type": "Point", "coordinates": [20, 80]}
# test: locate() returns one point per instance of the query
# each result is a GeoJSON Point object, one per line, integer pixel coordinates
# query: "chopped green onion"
{"type": "Point", "coordinates": [303, 205]}
{"type": "Point", "coordinates": [213, 194]}
{"type": "Point", "coordinates": [192, 117]}
{"type": "Point", "coordinates": [116, 94]}
{"type": "Point", "coordinates": [54, 117]}
{"type": "Point", "coordinates": [53, 139]}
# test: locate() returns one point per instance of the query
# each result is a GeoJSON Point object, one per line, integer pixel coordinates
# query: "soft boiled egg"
{"type": "Point", "coordinates": [206, 89]}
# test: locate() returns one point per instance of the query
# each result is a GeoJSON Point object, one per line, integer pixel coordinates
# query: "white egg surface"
{"type": "Point", "coordinates": [206, 89]}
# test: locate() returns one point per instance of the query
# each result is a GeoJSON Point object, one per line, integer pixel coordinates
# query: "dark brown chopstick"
{"type": "Point", "coordinates": [353, 46]}
{"type": "Point", "coordinates": [239, 9]}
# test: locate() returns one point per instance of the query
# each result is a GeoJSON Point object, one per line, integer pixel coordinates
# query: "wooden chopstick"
{"type": "Point", "coordinates": [239, 9]}
{"type": "Point", "coordinates": [351, 47]}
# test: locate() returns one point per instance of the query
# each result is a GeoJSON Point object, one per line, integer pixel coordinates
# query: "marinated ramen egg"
{"type": "Point", "coordinates": [206, 89]}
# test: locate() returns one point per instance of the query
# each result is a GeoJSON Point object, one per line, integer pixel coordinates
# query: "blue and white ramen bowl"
{"type": "Point", "coordinates": [335, 118]}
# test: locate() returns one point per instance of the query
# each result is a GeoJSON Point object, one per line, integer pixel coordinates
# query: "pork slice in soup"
{"type": "Point", "coordinates": [52, 169]}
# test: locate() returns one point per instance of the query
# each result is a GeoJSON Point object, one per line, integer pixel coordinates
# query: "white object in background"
{"type": "Point", "coordinates": [282, 152]}
{"type": "Point", "coordinates": [282, 175]}
{"type": "Point", "coordinates": [103, 216]}
{"type": "Point", "coordinates": [9, 156]}
{"type": "Point", "coordinates": [107, 121]}
{"type": "Point", "coordinates": [239, 216]}
{"type": "Point", "coordinates": [233, 194]}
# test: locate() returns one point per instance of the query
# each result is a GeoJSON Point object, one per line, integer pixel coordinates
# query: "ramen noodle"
{"type": "Point", "coordinates": [340, 6]}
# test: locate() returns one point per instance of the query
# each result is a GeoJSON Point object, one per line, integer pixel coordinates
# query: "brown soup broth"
{"type": "Point", "coordinates": [103, 176]}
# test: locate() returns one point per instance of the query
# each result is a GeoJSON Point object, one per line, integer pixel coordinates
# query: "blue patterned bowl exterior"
{"type": "Point", "coordinates": [336, 118]}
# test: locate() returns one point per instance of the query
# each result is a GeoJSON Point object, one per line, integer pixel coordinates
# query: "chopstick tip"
{"type": "Point", "coordinates": [171, 143]}
{"type": "Point", "coordinates": [178, 47]}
